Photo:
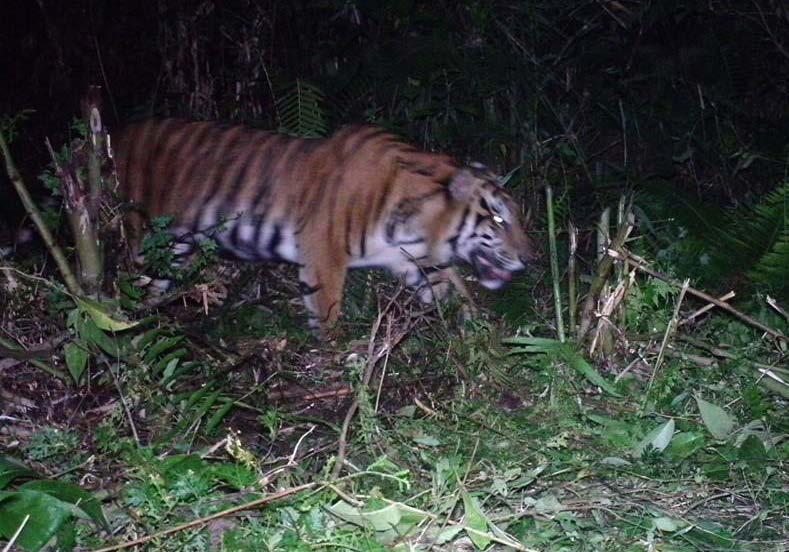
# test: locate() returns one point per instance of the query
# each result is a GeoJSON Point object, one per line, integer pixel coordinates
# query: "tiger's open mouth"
{"type": "Point", "coordinates": [489, 273]}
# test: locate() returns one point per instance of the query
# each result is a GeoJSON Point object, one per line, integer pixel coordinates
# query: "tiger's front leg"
{"type": "Point", "coordinates": [322, 288]}
{"type": "Point", "coordinates": [431, 283]}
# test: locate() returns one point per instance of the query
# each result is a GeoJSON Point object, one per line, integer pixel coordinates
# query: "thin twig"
{"type": "Point", "coordinates": [372, 360]}
{"type": "Point", "coordinates": [572, 298]}
{"type": "Point", "coordinates": [7, 348]}
{"type": "Point", "coordinates": [642, 265]}
{"type": "Point", "coordinates": [125, 406]}
{"type": "Point", "coordinates": [669, 329]}
{"type": "Point", "coordinates": [16, 533]}
{"type": "Point", "coordinates": [774, 304]}
{"type": "Point", "coordinates": [705, 308]}
{"type": "Point", "coordinates": [202, 521]}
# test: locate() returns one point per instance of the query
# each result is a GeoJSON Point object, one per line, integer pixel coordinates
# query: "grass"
{"type": "Point", "coordinates": [460, 441]}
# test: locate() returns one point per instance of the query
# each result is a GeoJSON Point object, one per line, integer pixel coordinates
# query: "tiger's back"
{"type": "Point", "coordinates": [360, 198]}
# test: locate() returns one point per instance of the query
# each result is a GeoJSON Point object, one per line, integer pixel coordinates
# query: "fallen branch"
{"type": "Point", "coordinates": [642, 265]}
{"type": "Point", "coordinates": [705, 308]}
{"type": "Point", "coordinates": [10, 350]}
{"type": "Point", "coordinates": [204, 520]}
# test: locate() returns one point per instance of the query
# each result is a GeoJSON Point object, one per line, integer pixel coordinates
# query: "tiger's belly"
{"type": "Point", "coordinates": [254, 241]}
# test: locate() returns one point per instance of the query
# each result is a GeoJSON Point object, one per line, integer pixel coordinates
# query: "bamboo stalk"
{"type": "Point", "coordinates": [35, 215]}
{"type": "Point", "coordinates": [557, 298]}
{"type": "Point", "coordinates": [572, 297]}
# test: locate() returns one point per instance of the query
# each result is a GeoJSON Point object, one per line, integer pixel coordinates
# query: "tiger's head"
{"type": "Point", "coordinates": [491, 236]}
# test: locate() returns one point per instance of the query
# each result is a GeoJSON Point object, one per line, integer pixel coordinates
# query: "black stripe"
{"type": "Point", "coordinates": [271, 154]}
{"type": "Point", "coordinates": [234, 237]}
{"type": "Point", "coordinates": [197, 159]}
{"type": "Point", "coordinates": [307, 289]}
{"type": "Point", "coordinates": [379, 205]}
{"type": "Point", "coordinates": [167, 185]}
{"type": "Point", "coordinates": [363, 244]}
{"type": "Point", "coordinates": [348, 222]}
{"type": "Point", "coordinates": [218, 171]}
{"type": "Point", "coordinates": [250, 157]}
{"type": "Point", "coordinates": [274, 241]}
{"type": "Point", "coordinates": [154, 150]}
{"type": "Point", "coordinates": [462, 223]}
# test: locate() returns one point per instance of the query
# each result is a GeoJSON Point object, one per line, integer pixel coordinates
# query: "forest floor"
{"type": "Point", "coordinates": [222, 425]}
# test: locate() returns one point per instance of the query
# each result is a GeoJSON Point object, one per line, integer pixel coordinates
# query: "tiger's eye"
{"type": "Point", "coordinates": [497, 219]}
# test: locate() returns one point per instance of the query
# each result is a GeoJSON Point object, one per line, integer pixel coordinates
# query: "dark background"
{"type": "Point", "coordinates": [667, 98]}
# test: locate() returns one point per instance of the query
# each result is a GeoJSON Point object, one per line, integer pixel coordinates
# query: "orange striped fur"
{"type": "Point", "coordinates": [360, 198]}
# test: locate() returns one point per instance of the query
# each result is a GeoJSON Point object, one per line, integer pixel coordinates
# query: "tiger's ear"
{"type": "Point", "coordinates": [462, 185]}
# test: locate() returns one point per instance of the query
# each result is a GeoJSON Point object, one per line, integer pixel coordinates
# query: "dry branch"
{"type": "Point", "coordinates": [35, 215]}
{"type": "Point", "coordinates": [642, 265]}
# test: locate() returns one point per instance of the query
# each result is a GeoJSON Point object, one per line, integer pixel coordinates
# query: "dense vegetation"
{"type": "Point", "coordinates": [598, 403]}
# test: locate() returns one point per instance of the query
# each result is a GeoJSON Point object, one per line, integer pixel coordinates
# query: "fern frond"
{"type": "Point", "coordinates": [759, 240]}
{"type": "Point", "coordinates": [301, 110]}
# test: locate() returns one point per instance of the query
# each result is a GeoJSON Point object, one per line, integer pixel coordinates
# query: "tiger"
{"type": "Point", "coordinates": [360, 198]}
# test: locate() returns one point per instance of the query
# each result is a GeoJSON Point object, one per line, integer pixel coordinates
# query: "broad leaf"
{"type": "Point", "coordinates": [659, 438]}
{"type": "Point", "coordinates": [565, 352]}
{"type": "Point", "coordinates": [382, 519]}
{"type": "Point", "coordinates": [11, 469]}
{"type": "Point", "coordinates": [76, 360]}
{"type": "Point", "coordinates": [46, 512]}
{"type": "Point", "coordinates": [102, 318]}
{"type": "Point", "coordinates": [717, 421]}
{"type": "Point", "coordinates": [475, 519]}
{"type": "Point", "coordinates": [753, 452]}
{"type": "Point", "coordinates": [71, 493]}
{"type": "Point", "coordinates": [685, 444]}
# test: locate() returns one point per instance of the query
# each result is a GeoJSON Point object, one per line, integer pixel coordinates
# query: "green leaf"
{"type": "Point", "coordinates": [580, 365]}
{"type": "Point", "coordinates": [427, 440]}
{"type": "Point", "coordinates": [565, 352]}
{"type": "Point", "coordinates": [753, 452]}
{"type": "Point", "coordinates": [219, 415]}
{"type": "Point", "coordinates": [615, 461]}
{"type": "Point", "coordinates": [685, 444]}
{"type": "Point", "coordinates": [237, 476]}
{"type": "Point", "coordinates": [381, 519]}
{"type": "Point", "coordinates": [475, 519]}
{"type": "Point", "coordinates": [717, 421]}
{"type": "Point", "coordinates": [76, 360]}
{"type": "Point", "coordinates": [73, 494]}
{"type": "Point", "coordinates": [659, 438]}
{"type": "Point", "coordinates": [667, 524]}
{"type": "Point", "coordinates": [548, 504]}
{"type": "Point", "coordinates": [448, 534]}
{"type": "Point", "coordinates": [11, 469]}
{"type": "Point", "coordinates": [91, 333]}
{"type": "Point", "coordinates": [46, 512]}
{"type": "Point", "coordinates": [101, 317]}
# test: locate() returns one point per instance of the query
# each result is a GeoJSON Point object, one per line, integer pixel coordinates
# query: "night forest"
{"type": "Point", "coordinates": [626, 391]}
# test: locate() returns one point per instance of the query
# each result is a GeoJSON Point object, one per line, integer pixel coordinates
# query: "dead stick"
{"type": "Point", "coordinates": [204, 520]}
{"type": "Point", "coordinates": [705, 308]}
{"type": "Point", "coordinates": [35, 215]}
{"type": "Point", "coordinates": [641, 265]}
